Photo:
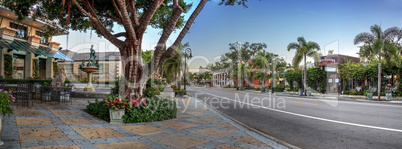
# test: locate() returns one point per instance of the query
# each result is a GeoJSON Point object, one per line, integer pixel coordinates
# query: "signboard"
{"type": "Point", "coordinates": [336, 80]}
{"type": "Point", "coordinates": [329, 80]}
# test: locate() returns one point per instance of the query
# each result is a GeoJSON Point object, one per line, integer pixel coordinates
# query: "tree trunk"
{"type": "Point", "coordinates": [379, 78]}
{"type": "Point", "coordinates": [133, 71]}
{"type": "Point", "coordinates": [305, 76]}
{"type": "Point", "coordinates": [179, 78]}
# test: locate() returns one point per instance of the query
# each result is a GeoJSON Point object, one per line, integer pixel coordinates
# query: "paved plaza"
{"type": "Point", "coordinates": [61, 126]}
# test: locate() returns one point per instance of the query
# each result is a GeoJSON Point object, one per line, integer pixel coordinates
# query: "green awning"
{"type": "Point", "coordinates": [25, 46]}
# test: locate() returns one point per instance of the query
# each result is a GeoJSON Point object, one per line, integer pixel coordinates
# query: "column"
{"type": "Point", "coordinates": [49, 68]}
{"type": "Point", "coordinates": [2, 62]}
{"type": "Point", "coordinates": [28, 65]}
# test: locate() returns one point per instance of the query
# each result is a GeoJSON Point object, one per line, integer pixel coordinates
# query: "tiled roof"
{"type": "Point", "coordinates": [102, 56]}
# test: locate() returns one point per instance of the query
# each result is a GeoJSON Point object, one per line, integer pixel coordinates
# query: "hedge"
{"type": "Point", "coordinates": [156, 110]}
{"type": "Point", "coordinates": [98, 109]}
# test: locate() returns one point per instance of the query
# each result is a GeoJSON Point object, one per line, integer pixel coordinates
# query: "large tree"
{"type": "Point", "coordinates": [133, 15]}
{"type": "Point", "coordinates": [303, 49]}
{"type": "Point", "coordinates": [377, 45]}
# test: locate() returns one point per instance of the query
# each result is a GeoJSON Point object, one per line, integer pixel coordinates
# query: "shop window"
{"type": "Point", "coordinates": [18, 66]}
{"type": "Point", "coordinates": [22, 31]}
{"type": "Point", "coordinates": [44, 39]}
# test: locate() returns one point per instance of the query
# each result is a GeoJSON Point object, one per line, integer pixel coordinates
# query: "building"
{"type": "Point", "coordinates": [24, 50]}
{"type": "Point", "coordinates": [331, 63]}
{"type": "Point", "coordinates": [110, 66]}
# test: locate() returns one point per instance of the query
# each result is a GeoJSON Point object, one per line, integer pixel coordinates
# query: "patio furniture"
{"type": "Point", "coordinates": [22, 93]}
{"type": "Point", "coordinates": [56, 95]}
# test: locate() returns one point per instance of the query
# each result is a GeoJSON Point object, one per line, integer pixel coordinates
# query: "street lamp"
{"type": "Point", "coordinates": [188, 50]}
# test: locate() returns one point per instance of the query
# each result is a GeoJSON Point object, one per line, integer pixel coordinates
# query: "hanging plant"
{"type": "Point", "coordinates": [55, 69]}
{"type": "Point", "coordinates": [36, 68]}
{"type": "Point", "coordinates": [8, 65]}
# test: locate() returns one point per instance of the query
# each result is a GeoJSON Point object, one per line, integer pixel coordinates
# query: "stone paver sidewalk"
{"type": "Point", "coordinates": [60, 126]}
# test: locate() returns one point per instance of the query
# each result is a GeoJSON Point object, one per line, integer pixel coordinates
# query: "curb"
{"type": "Point", "coordinates": [250, 128]}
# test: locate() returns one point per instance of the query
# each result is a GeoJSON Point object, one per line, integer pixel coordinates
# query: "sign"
{"type": "Point", "coordinates": [358, 88]}
{"type": "Point", "coordinates": [329, 80]}
{"type": "Point", "coordinates": [325, 59]}
{"type": "Point", "coordinates": [336, 80]}
{"type": "Point", "coordinates": [373, 89]}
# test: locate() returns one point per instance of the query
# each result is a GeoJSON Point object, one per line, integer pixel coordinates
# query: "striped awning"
{"type": "Point", "coordinates": [25, 46]}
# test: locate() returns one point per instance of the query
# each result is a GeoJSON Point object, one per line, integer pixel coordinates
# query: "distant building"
{"type": "Point", "coordinates": [331, 63]}
{"type": "Point", "coordinates": [110, 66]}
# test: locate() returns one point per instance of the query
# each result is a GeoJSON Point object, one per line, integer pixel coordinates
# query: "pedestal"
{"type": "Point", "coordinates": [89, 87]}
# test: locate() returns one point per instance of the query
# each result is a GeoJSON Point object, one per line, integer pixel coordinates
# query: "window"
{"type": "Point", "coordinates": [68, 68]}
{"type": "Point", "coordinates": [103, 68]}
{"type": "Point", "coordinates": [44, 39]}
{"type": "Point", "coordinates": [22, 31]}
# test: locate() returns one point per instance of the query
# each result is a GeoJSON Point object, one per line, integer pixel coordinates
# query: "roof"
{"type": "Point", "coordinates": [101, 56]}
{"type": "Point", "coordinates": [25, 46]}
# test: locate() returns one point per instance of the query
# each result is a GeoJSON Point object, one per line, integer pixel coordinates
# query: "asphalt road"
{"type": "Point", "coordinates": [310, 122]}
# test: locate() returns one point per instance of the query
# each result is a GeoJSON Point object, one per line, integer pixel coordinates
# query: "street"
{"type": "Point", "coordinates": [310, 122]}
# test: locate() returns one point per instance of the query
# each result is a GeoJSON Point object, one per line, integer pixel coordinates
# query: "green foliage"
{"type": "Point", "coordinates": [180, 91]}
{"type": "Point", "coordinates": [147, 56]}
{"type": "Point", "coordinates": [8, 65]}
{"type": "Point", "coordinates": [116, 103]}
{"type": "Point", "coordinates": [316, 77]}
{"type": "Point", "coordinates": [36, 68]}
{"type": "Point", "coordinates": [279, 88]}
{"type": "Point", "coordinates": [155, 110]}
{"type": "Point", "coordinates": [149, 92]}
{"type": "Point", "coordinates": [115, 90]}
{"type": "Point", "coordinates": [98, 109]}
{"type": "Point", "coordinates": [293, 75]}
{"type": "Point", "coordinates": [6, 102]}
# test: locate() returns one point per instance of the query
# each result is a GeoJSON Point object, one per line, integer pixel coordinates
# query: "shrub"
{"type": "Point", "coordinates": [180, 91]}
{"type": "Point", "coordinates": [155, 110]}
{"type": "Point", "coordinates": [174, 86]}
{"type": "Point", "coordinates": [279, 88]}
{"type": "Point", "coordinates": [149, 92]}
{"type": "Point", "coordinates": [6, 102]}
{"type": "Point", "coordinates": [98, 109]}
{"type": "Point", "coordinates": [347, 92]}
{"type": "Point", "coordinates": [116, 102]}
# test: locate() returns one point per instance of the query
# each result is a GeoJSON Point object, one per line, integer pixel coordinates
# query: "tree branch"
{"type": "Point", "coordinates": [177, 11]}
{"type": "Point", "coordinates": [170, 51]}
{"type": "Point", "coordinates": [120, 34]}
{"type": "Point", "coordinates": [147, 16]}
{"type": "Point", "coordinates": [133, 11]}
{"type": "Point", "coordinates": [126, 20]}
{"type": "Point", "coordinates": [99, 26]}
{"type": "Point", "coordinates": [116, 9]}
{"type": "Point", "coordinates": [110, 17]}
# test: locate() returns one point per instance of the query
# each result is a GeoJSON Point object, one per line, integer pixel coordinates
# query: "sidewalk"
{"type": "Point", "coordinates": [61, 126]}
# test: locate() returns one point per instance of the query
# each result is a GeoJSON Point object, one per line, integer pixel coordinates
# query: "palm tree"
{"type": "Point", "coordinates": [171, 67]}
{"type": "Point", "coordinates": [376, 45]}
{"type": "Point", "coordinates": [262, 62]}
{"type": "Point", "coordinates": [303, 49]}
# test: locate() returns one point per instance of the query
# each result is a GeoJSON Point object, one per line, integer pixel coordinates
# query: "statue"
{"type": "Point", "coordinates": [92, 62]}
{"type": "Point", "coordinates": [59, 79]}
{"type": "Point", "coordinates": [92, 58]}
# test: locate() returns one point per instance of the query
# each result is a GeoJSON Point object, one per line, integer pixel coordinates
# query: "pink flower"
{"type": "Point", "coordinates": [5, 92]}
{"type": "Point", "coordinates": [13, 100]}
{"type": "Point", "coordinates": [13, 97]}
{"type": "Point", "coordinates": [11, 106]}
{"type": "Point", "coordinates": [1, 90]}
{"type": "Point", "coordinates": [137, 101]}
{"type": "Point", "coordinates": [116, 98]}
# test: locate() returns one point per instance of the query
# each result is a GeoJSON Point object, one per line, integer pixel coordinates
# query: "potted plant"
{"type": "Point", "coordinates": [180, 93]}
{"type": "Point", "coordinates": [174, 87]}
{"type": "Point", "coordinates": [6, 106]}
{"type": "Point", "coordinates": [300, 92]}
{"type": "Point", "coordinates": [388, 95]}
{"type": "Point", "coordinates": [116, 108]}
{"type": "Point", "coordinates": [369, 95]}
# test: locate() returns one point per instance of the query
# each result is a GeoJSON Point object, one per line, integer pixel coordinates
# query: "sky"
{"type": "Point", "coordinates": [333, 24]}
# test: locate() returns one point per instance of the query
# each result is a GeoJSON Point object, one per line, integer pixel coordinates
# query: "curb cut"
{"type": "Point", "coordinates": [250, 128]}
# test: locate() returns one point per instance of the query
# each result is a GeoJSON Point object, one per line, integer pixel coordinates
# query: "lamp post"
{"type": "Point", "coordinates": [188, 50]}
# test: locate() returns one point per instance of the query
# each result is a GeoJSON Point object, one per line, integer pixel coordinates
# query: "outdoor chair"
{"type": "Point", "coordinates": [23, 94]}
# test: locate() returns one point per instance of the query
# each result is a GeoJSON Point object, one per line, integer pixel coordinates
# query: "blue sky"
{"type": "Point", "coordinates": [274, 22]}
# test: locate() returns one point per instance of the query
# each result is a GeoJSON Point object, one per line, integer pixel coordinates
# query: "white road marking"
{"type": "Point", "coordinates": [311, 117]}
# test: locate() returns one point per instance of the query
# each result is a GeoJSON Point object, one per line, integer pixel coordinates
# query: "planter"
{"type": "Point", "coordinates": [1, 126]}
{"type": "Point", "coordinates": [267, 90]}
{"type": "Point", "coordinates": [388, 96]}
{"type": "Point", "coordinates": [116, 116]}
{"type": "Point", "coordinates": [180, 95]}
{"type": "Point", "coordinates": [300, 92]}
{"type": "Point", "coordinates": [369, 96]}
{"type": "Point", "coordinates": [308, 93]}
